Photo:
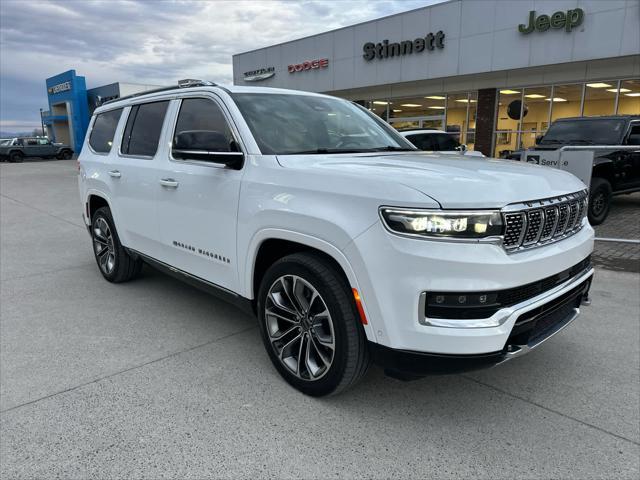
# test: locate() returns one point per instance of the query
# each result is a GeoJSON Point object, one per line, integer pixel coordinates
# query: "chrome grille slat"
{"type": "Point", "coordinates": [545, 221]}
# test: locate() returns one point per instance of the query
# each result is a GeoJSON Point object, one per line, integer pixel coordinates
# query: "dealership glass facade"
{"type": "Point", "coordinates": [522, 114]}
{"type": "Point", "coordinates": [453, 112]}
{"type": "Point", "coordinates": [525, 113]}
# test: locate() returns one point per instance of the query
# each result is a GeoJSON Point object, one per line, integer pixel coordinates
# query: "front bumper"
{"type": "Point", "coordinates": [393, 272]}
{"type": "Point", "coordinates": [535, 324]}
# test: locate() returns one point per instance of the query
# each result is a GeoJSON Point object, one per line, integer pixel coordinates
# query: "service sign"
{"type": "Point", "coordinates": [259, 74]}
{"type": "Point", "coordinates": [578, 162]}
{"type": "Point", "coordinates": [61, 87]}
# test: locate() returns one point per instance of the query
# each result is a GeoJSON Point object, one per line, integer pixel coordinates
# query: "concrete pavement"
{"type": "Point", "coordinates": [154, 379]}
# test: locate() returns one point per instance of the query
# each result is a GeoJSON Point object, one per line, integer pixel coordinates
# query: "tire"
{"type": "Point", "coordinates": [67, 155]}
{"type": "Point", "coordinates": [114, 263]}
{"type": "Point", "coordinates": [16, 157]}
{"type": "Point", "coordinates": [599, 200]}
{"type": "Point", "coordinates": [323, 370]}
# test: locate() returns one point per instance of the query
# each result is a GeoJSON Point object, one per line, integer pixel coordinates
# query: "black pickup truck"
{"type": "Point", "coordinates": [615, 171]}
{"type": "Point", "coordinates": [17, 149]}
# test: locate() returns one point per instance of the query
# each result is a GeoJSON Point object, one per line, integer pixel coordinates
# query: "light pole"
{"type": "Point", "coordinates": [42, 122]}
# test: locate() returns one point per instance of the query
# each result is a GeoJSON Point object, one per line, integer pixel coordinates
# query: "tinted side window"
{"type": "Point", "coordinates": [201, 125]}
{"type": "Point", "coordinates": [104, 128]}
{"type": "Point", "coordinates": [634, 135]}
{"type": "Point", "coordinates": [422, 141]}
{"type": "Point", "coordinates": [144, 125]}
{"type": "Point", "coordinates": [445, 142]}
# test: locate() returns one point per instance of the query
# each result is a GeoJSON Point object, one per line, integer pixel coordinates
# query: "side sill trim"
{"type": "Point", "coordinates": [218, 291]}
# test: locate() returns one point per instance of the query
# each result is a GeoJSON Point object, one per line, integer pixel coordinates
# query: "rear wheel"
{"type": "Point", "coordinates": [599, 200]}
{"type": "Point", "coordinates": [310, 326]}
{"type": "Point", "coordinates": [16, 157]}
{"type": "Point", "coordinates": [115, 264]}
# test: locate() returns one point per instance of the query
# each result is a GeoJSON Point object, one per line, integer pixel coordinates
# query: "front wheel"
{"type": "Point", "coordinates": [115, 264]}
{"type": "Point", "coordinates": [599, 200]}
{"type": "Point", "coordinates": [16, 157]}
{"type": "Point", "coordinates": [310, 325]}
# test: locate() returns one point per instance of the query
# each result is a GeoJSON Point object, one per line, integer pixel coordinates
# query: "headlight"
{"type": "Point", "coordinates": [443, 223]}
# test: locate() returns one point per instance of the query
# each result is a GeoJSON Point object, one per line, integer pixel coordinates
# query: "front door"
{"type": "Point", "coordinates": [198, 200]}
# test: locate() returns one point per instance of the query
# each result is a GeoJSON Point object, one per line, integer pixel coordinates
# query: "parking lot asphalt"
{"type": "Point", "coordinates": [155, 379]}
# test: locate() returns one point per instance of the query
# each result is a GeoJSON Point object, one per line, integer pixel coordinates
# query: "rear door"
{"type": "Point", "coordinates": [198, 200]}
{"type": "Point", "coordinates": [132, 175]}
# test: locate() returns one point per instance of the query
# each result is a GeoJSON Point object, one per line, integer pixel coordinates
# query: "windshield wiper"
{"type": "Point", "coordinates": [391, 148]}
{"type": "Point", "coordinates": [332, 150]}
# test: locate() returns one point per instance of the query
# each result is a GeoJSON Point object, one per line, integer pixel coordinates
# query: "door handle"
{"type": "Point", "coordinates": [115, 173]}
{"type": "Point", "coordinates": [169, 182]}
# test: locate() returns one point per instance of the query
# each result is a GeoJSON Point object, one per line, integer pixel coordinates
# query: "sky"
{"type": "Point", "coordinates": [150, 41]}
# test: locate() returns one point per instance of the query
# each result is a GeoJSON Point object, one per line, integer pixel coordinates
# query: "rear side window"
{"type": "Point", "coordinates": [104, 128]}
{"type": "Point", "coordinates": [144, 125]}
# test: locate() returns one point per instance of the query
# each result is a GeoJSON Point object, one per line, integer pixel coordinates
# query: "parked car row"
{"type": "Point", "coordinates": [17, 149]}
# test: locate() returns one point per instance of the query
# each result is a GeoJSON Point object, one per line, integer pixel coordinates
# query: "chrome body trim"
{"type": "Point", "coordinates": [504, 314]}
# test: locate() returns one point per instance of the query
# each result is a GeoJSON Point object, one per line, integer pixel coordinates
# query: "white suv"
{"type": "Point", "coordinates": [349, 244]}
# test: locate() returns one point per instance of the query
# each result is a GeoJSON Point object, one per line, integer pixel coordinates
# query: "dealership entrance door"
{"type": "Point", "coordinates": [431, 122]}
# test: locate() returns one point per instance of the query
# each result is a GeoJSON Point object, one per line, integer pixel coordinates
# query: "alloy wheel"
{"type": "Point", "coordinates": [103, 246]}
{"type": "Point", "coordinates": [300, 327]}
{"type": "Point", "coordinates": [599, 203]}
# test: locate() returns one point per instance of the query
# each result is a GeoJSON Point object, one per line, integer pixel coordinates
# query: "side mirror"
{"type": "Point", "coordinates": [207, 146]}
{"type": "Point", "coordinates": [539, 139]}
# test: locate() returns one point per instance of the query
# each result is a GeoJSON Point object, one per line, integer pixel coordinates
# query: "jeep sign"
{"type": "Point", "coordinates": [568, 21]}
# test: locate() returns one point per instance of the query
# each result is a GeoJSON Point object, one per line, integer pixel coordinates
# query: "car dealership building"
{"type": "Point", "coordinates": [495, 73]}
{"type": "Point", "coordinates": [71, 105]}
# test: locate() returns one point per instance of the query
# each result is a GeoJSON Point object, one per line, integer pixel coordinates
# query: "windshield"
{"type": "Point", "coordinates": [302, 124]}
{"type": "Point", "coordinates": [603, 131]}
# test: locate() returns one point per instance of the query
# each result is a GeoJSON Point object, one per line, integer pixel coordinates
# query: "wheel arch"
{"type": "Point", "coordinates": [270, 245]}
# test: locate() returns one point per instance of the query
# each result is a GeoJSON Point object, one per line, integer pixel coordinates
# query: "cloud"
{"type": "Point", "coordinates": [152, 42]}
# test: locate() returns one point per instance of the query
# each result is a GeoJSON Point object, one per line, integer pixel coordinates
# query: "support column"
{"type": "Point", "coordinates": [485, 120]}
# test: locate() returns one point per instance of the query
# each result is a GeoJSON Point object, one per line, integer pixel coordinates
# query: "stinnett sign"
{"type": "Point", "coordinates": [385, 49]}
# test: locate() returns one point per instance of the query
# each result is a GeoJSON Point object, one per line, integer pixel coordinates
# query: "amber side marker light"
{"type": "Point", "coordinates": [356, 297]}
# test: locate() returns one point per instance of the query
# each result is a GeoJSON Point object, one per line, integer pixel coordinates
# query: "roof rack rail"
{"type": "Point", "coordinates": [185, 83]}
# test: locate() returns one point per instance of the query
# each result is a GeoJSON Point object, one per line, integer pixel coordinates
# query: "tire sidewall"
{"type": "Point", "coordinates": [333, 377]}
{"type": "Point", "coordinates": [599, 187]}
{"type": "Point", "coordinates": [105, 214]}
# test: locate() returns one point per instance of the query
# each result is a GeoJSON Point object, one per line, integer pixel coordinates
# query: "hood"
{"type": "Point", "coordinates": [454, 181]}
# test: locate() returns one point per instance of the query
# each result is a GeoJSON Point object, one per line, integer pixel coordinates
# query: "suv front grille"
{"type": "Point", "coordinates": [544, 221]}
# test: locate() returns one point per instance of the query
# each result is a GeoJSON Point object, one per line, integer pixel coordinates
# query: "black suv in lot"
{"type": "Point", "coordinates": [17, 149]}
{"type": "Point", "coordinates": [615, 171]}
